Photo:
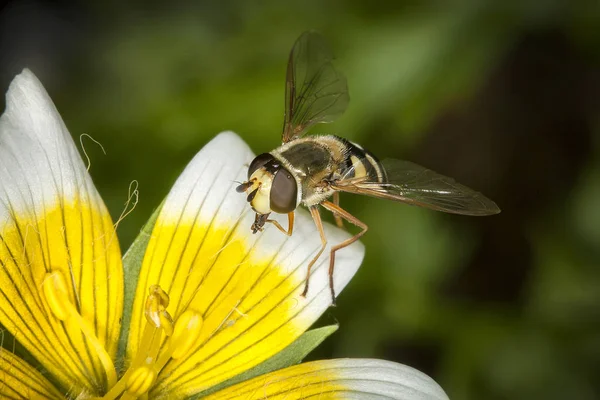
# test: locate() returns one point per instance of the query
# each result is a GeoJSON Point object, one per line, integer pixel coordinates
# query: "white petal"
{"type": "Point", "coordinates": [52, 220]}
{"type": "Point", "coordinates": [39, 159]}
{"type": "Point", "coordinates": [247, 287]}
{"type": "Point", "coordinates": [338, 379]}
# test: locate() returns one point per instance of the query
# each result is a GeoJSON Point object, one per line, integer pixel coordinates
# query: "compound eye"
{"type": "Point", "coordinates": [284, 192]}
{"type": "Point", "coordinates": [258, 162]}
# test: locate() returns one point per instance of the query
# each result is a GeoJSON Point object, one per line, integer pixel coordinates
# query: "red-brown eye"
{"type": "Point", "coordinates": [284, 192]}
{"type": "Point", "coordinates": [258, 162]}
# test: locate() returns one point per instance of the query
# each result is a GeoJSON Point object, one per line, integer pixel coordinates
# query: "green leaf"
{"type": "Point", "coordinates": [291, 355]}
{"type": "Point", "coordinates": [132, 263]}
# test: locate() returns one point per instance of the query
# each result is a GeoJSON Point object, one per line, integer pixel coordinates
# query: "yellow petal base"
{"type": "Point", "coordinates": [60, 285]}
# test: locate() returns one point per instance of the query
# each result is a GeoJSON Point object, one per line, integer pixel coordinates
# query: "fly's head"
{"type": "Point", "coordinates": [270, 188]}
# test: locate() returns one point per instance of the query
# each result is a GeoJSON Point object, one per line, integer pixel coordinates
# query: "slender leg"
{"type": "Point", "coordinates": [335, 209]}
{"type": "Point", "coordinates": [338, 220]}
{"type": "Point", "coordinates": [314, 211]}
{"type": "Point", "coordinates": [290, 224]}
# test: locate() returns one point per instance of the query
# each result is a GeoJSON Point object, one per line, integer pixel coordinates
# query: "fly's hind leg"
{"type": "Point", "coordinates": [338, 220]}
{"type": "Point", "coordinates": [314, 212]}
{"type": "Point", "coordinates": [340, 212]}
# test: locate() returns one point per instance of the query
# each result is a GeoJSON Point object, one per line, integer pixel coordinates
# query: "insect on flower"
{"type": "Point", "coordinates": [309, 170]}
{"type": "Point", "coordinates": [198, 307]}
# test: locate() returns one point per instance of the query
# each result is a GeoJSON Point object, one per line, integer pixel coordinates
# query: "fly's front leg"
{"type": "Point", "coordinates": [290, 224]}
{"type": "Point", "coordinates": [337, 210]}
{"type": "Point", "coordinates": [314, 212]}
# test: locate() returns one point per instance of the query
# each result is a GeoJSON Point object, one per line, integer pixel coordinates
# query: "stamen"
{"type": "Point", "coordinates": [57, 296]}
{"type": "Point", "coordinates": [144, 368]}
{"type": "Point", "coordinates": [156, 309]}
{"type": "Point", "coordinates": [140, 381]}
{"type": "Point", "coordinates": [55, 291]}
{"type": "Point", "coordinates": [188, 328]}
{"type": "Point", "coordinates": [149, 347]}
{"type": "Point", "coordinates": [182, 336]}
{"type": "Point", "coordinates": [186, 333]}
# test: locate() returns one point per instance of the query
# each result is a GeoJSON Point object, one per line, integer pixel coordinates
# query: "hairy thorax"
{"type": "Point", "coordinates": [314, 161]}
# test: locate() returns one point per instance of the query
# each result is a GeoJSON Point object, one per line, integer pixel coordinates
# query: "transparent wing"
{"type": "Point", "coordinates": [410, 183]}
{"type": "Point", "coordinates": [314, 91]}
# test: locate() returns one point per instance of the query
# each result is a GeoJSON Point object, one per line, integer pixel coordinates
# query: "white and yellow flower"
{"type": "Point", "coordinates": [197, 307]}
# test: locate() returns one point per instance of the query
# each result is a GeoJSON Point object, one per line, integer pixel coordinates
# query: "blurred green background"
{"type": "Point", "coordinates": [503, 96]}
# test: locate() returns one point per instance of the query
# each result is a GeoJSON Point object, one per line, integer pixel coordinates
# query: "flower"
{"type": "Point", "coordinates": [197, 307]}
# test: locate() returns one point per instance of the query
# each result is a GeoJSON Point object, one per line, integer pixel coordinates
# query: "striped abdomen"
{"type": "Point", "coordinates": [360, 163]}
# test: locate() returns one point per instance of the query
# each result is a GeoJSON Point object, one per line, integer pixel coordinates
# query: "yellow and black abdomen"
{"type": "Point", "coordinates": [360, 162]}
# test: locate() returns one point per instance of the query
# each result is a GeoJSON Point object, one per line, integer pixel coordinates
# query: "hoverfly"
{"type": "Point", "coordinates": [309, 170]}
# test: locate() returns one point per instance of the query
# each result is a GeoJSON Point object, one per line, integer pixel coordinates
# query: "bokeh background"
{"type": "Point", "coordinates": [502, 95]}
